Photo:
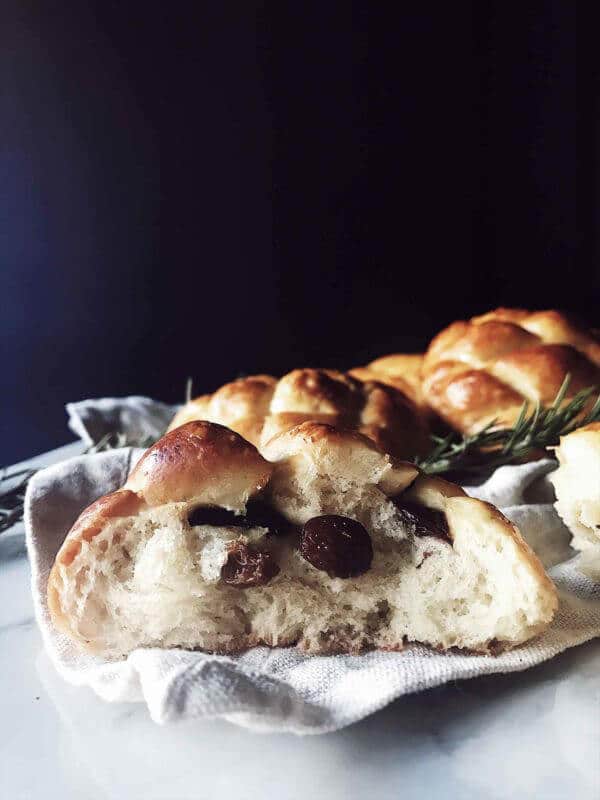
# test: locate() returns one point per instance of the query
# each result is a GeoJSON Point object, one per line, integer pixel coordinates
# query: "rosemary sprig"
{"type": "Point", "coordinates": [14, 484]}
{"type": "Point", "coordinates": [493, 447]}
{"type": "Point", "coordinates": [116, 439]}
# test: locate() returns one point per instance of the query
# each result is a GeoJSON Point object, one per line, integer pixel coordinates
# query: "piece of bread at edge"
{"type": "Point", "coordinates": [577, 485]}
{"type": "Point", "coordinates": [193, 552]}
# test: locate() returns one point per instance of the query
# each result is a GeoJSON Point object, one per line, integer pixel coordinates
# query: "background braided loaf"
{"type": "Point", "coordinates": [484, 369]}
{"type": "Point", "coordinates": [260, 406]}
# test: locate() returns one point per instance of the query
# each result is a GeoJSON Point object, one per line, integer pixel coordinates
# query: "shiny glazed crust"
{"type": "Point", "coordinates": [483, 369]}
{"type": "Point", "coordinates": [259, 407]}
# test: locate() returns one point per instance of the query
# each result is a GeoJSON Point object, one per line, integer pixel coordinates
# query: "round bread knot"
{"type": "Point", "coordinates": [261, 407]}
{"type": "Point", "coordinates": [483, 370]}
{"type": "Point", "coordinates": [202, 462]}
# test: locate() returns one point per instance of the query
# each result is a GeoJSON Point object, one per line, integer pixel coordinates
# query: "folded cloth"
{"type": "Point", "coordinates": [136, 418]}
{"type": "Point", "coordinates": [282, 689]}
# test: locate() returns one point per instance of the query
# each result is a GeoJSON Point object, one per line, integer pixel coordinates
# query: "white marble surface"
{"type": "Point", "coordinates": [528, 735]}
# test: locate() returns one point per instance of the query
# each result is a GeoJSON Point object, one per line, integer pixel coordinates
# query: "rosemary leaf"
{"type": "Point", "coordinates": [494, 447]}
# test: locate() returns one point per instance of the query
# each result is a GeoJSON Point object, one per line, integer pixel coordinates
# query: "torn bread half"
{"type": "Point", "coordinates": [330, 545]}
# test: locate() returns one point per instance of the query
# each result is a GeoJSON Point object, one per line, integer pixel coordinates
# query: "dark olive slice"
{"type": "Point", "coordinates": [337, 545]}
{"type": "Point", "coordinates": [248, 566]}
{"type": "Point", "coordinates": [258, 515]}
{"type": "Point", "coordinates": [220, 517]}
{"type": "Point", "coordinates": [426, 521]}
{"type": "Point", "coordinates": [263, 515]}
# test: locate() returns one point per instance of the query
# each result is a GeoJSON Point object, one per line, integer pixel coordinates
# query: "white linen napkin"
{"type": "Point", "coordinates": [282, 689]}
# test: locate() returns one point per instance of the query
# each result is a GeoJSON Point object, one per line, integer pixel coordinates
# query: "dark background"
{"type": "Point", "coordinates": [213, 188]}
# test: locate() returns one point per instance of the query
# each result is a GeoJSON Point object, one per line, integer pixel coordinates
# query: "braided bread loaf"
{"type": "Point", "coordinates": [260, 406]}
{"type": "Point", "coordinates": [483, 370]}
{"type": "Point", "coordinates": [330, 545]}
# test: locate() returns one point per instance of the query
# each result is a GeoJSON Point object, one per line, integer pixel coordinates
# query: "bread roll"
{"type": "Point", "coordinates": [326, 543]}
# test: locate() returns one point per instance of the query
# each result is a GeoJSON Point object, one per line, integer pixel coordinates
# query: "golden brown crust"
{"type": "Point", "coordinates": [194, 458]}
{"type": "Point", "coordinates": [259, 407]}
{"type": "Point", "coordinates": [406, 364]}
{"type": "Point", "coordinates": [245, 397]}
{"type": "Point", "coordinates": [317, 391]}
{"type": "Point", "coordinates": [316, 432]}
{"type": "Point", "coordinates": [469, 399]}
{"type": "Point", "coordinates": [399, 370]}
{"type": "Point", "coordinates": [240, 405]}
{"type": "Point", "coordinates": [274, 424]}
{"type": "Point", "coordinates": [481, 344]}
{"type": "Point", "coordinates": [553, 327]}
{"type": "Point", "coordinates": [483, 370]}
{"type": "Point", "coordinates": [540, 371]}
